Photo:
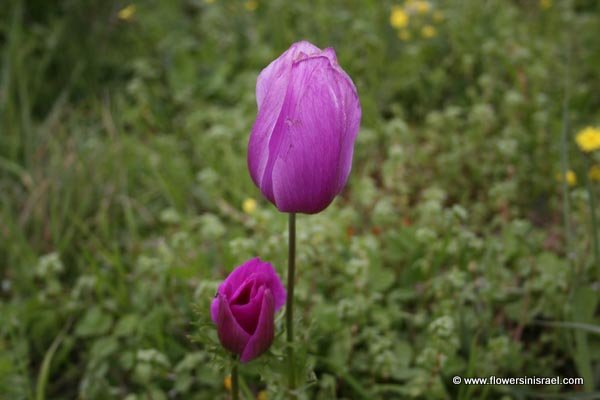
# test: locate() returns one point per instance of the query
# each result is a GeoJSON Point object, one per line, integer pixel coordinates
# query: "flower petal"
{"type": "Point", "coordinates": [352, 116]}
{"type": "Point", "coordinates": [277, 289]}
{"type": "Point", "coordinates": [214, 308]}
{"type": "Point", "coordinates": [244, 293]}
{"type": "Point", "coordinates": [267, 276]}
{"type": "Point", "coordinates": [262, 272]}
{"type": "Point", "coordinates": [247, 314]}
{"type": "Point", "coordinates": [262, 338]}
{"type": "Point", "coordinates": [232, 336]}
{"type": "Point", "coordinates": [269, 76]}
{"type": "Point", "coordinates": [259, 145]}
{"type": "Point", "coordinates": [238, 276]}
{"type": "Point", "coordinates": [314, 152]}
{"type": "Point", "coordinates": [271, 90]}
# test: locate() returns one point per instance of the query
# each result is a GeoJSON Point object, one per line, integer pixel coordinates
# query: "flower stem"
{"type": "Point", "coordinates": [564, 168]}
{"type": "Point", "coordinates": [289, 312]}
{"type": "Point", "coordinates": [592, 203]}
{"type": "Point", "coordinates": [235, 387]}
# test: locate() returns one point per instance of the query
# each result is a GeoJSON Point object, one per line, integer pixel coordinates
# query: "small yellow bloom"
{"type": "Point", "coordinates": [588, 139]}
{"type": "Point", "coordinates": [262, 395]}
{"type": "Point", "coordinates": [594, 172]}
{"type": "Point", "coordinates": [438, 16]}
{"type": "Point", "coordinates": [422, 7]}
{"type": "Point", "coordinates": [404, 34]}
{"type": "Point", "coordinates": [251, 5]}
{"type": "Point", "coordinates": [569, 177]}
{"type": "Point", "coordinates": [127, 13]}
{"type": "Point", "coordinates": [545, 4]}
{"type": "Point", "coordinates": [249, 206]}
{"type": "Point", "coordinates": [428, 31]}
{"type": "Point", "coordinates": [398, 17]}
{"type": "Point", "coordinates": [227, 383]}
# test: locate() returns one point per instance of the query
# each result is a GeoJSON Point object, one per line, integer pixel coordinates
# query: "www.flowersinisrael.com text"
{"type": "Point", "coordinates": [522, 380]}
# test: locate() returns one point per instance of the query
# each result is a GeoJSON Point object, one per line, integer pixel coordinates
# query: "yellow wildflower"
{"type": "Point", "coordinates": [404, 34]}
{"type": "Point", "coordinates": [594, 172]}
{"type": "Point", "coordinates": [569, 177]}
{"type": "Point", "coordinates": [438, 16]}
{"type": "Point", "coordinates": [588, 139]}
{"type": "Point", "coordinates": [398, 17]}
{"type": "Point", "coordinates": [545, 4]}
{"type": "Point", "coordinates": [227, 383]}
{"type": "Point", "coordinates": [249, 206]}
{"type": "Point", "coordinates": [251, 5]}
{"type": "Point", "coordinates": [127, 13]}
{"type": "Point", "coordinates": [262, 395]}
{"type": "Point", "coordinates": [422, 7]}
{"type": "Point", "coordinates": [428, 31]}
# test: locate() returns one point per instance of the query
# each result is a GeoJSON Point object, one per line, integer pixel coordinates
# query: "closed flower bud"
{"type": "Point", "coordinates": [301, 145]}
{"type": "Point", "coordinates": [244, 308]}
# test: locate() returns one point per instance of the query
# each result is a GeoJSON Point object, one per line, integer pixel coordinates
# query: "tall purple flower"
{"type": "Point", "coordinates": [301, 145]}
{"type": "Point", "coordinates": [244, 308]}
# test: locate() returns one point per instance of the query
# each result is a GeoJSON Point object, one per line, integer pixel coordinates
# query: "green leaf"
{"type": "Point", "coordinates": [95, 322]}
{"type": "Point", "coordinates": [380, 278]}
{"type": "Point", "coordinates": [127, 325]}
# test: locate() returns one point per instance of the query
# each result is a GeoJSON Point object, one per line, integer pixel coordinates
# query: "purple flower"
{"type": "Point", "coordinates": [244, 308]}
{"type": "Point", "coordinates": [301, 145]}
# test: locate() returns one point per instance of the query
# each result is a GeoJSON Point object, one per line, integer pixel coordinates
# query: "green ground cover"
{"type": "Point", "coordinates": [455, 249]}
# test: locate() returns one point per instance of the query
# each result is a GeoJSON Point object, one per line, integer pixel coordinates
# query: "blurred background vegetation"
{"type": "Point", "coordinates": [462, 245]}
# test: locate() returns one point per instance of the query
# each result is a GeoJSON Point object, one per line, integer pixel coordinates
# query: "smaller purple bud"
{"type": "Point", "coordinates": [244, 308]}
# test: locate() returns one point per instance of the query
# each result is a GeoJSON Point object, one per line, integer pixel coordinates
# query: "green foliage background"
{"type": "Point", "coordinates": [123, 173]}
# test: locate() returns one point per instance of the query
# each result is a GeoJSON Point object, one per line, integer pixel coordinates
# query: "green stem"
{"type": "Point", "coordinates": [574, 274]}
{"type": "Point", "coordinates": [289, 312]}
{"type": "Point", "coordinates": [564, 161]}
{"type": "Point", "coordinates": [592, 202]}
{"type": "Point", "coordinates": [235, 386]}
{"type": "Point", "coordinates": [244, 389]}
